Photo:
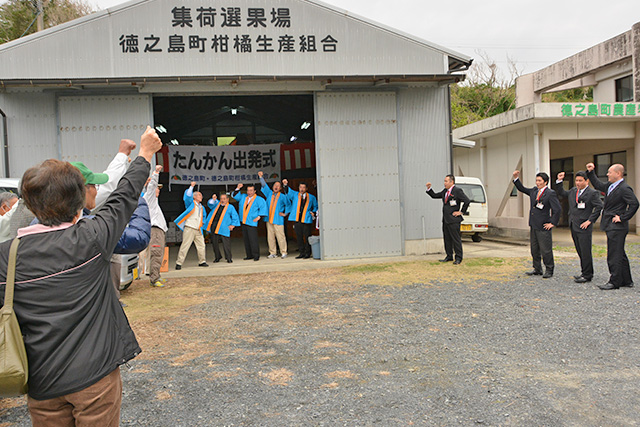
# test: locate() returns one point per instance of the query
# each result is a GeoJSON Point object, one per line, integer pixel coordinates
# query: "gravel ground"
{"type": "Point", "coordinates": [396, 344]}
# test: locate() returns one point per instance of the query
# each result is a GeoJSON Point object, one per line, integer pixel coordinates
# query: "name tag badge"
{"type": "Point", "coordinates": [540, 206]}
{"type": "Point", "coordinates": [581, 205]}
{"type": "Point", "coordinates": [453, 203]}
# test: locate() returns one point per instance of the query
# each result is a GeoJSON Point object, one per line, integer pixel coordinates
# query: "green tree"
{"type": "Point", "coordinates": [483, 94]}
{"type": "Point", "coordinates": [581, 94]}
{"type": "Point", "coordinates": [17, 15]}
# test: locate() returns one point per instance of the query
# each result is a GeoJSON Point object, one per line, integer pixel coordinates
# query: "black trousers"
{"type": "Point", "coordinates": [303, 231]}
{"type": "Point", "coordinates": [542, 246]}
{"type": "Point", "coordinates": [226, 245]}
{"type": "Point", "coordinates": [617, 258]}
{"type": "Point", "coordinates": [452, 240]}
{"type": "Point", "coordinates": [250, 237]}
{"type": "Point", "coordinates": [582, 241]}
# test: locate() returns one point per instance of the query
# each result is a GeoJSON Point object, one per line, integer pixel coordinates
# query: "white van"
{"type": "Point", "coordinates": [477, 222]}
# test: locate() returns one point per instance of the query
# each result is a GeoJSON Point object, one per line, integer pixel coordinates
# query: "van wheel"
{"type": "Point", "coordinates": [476, 238]}
{"type": "Point", "coordinates": [126, 286]}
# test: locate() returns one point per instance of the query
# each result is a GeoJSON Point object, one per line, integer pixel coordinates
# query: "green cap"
{"type": "Point", "coordinates": [90, 177]}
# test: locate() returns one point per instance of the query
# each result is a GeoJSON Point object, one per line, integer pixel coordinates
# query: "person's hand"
{"type": "Point", "coordinates": [150, 143]}
{"type": "Point", "coordinates": [548, 226]}
{"type": "Point", "coordinates": [193, 183]}
{"type": "Point", "coordinates": [214, 197]}
{"type": "Point", "coordinates": [158, 168]}
{"type": "Point", "coordinates": [590, 167]}
{"type": "Point", "coordinates": [561, 176]}
{"type": "Point", "coordinates": [239, 187]}
{"type": "Point", "coordinates": [428, 186]}
{"type": "Point", "coordinates": [231, 227]}
{"type": "Point", "coordinates": [516, 174]}
{"type": "Point", "coordinates": [256, 219]}
{"type": "Point", "coordinates": [126, 147]}
{"type": "Point", "coordinates": [585, 224]}
{"type": "Point", "coordinates": [457, 213]}
{"type": "Point", "coordinates": [260, 173]}
{"type": "Point", "coordinates": [283, 214]}
{"type": "Point", "coordinates": [285, 182]}
{"type": "Point", "coordinates": [616, 219]}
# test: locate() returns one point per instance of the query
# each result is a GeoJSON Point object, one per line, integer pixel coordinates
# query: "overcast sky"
{"type": "Point", "coordinates": [533, 36]}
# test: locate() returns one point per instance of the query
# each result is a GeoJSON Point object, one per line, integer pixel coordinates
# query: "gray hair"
{"type": "Point", "coordinates": [6, 197]}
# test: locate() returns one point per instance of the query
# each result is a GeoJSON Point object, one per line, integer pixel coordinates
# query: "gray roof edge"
{"type": "Point", "coordinates": [106, 12]}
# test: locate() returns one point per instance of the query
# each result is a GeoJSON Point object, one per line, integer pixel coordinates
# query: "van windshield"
{"type": "Point", "coordinates": [474, 192]}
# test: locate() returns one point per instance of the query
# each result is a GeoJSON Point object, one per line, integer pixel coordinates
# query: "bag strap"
{"type": "Point", "coordinates": [11, 274]}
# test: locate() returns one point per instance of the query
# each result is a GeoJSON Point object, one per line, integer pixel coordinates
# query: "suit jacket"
{"type": "Point", "coordinates": [457, 201]}
{"type": "Point", "coordinates": [592, 206]}
{"type": "Point", "coordinates": [550, 212]}
{"type": "Point", "coordinates": [622, 201]}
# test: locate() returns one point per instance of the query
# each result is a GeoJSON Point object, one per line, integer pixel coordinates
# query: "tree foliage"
{"type": "Point", "coordinates": [483, 94]}
{"type": "Point", "coordinates": [17, 15]}
{"type": "Point", "coordinates": [581, 94]}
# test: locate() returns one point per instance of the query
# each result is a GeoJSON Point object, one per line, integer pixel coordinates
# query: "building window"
{"type": "Point", "coordinates": [603, 161]}
{"type": "Point", "coordinates": [624, 89]}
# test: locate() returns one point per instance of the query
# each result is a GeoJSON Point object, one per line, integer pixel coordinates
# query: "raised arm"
{"type": "Point", "coordinates": [115, 170]}
{"type": "Point", "coordinates": [111, 219]}
{"type": "Point", "coordinates": [593, 179]}
{"type": "Point", "coordinates": [559, 187]}
{"type": "Point", "coordinates": [432, 193]}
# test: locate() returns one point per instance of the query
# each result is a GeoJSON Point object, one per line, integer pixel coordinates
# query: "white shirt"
{"type": "Point", "coordinates": [115, 170]}
{"type": "Point", "coordinates": [5, 232]}
{"type": "Point", "coordinates": [155, 213]}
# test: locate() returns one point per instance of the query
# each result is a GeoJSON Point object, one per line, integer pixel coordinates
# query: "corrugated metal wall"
{"type": "Point", "coordinates": [91, 127]}
{"type": "Point", "coordinates": [357, 164]}
{"type": "Point", "coordinates": [31, 123]}
{"type": "Point", "coordinates": [423, 125]}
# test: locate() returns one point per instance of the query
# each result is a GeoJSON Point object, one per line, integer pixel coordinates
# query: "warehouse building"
{"type": "Point", "coordinates": [296, 88]}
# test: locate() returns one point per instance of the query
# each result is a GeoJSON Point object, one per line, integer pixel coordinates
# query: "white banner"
{"type": "Point", "coordinates": [212, 165]}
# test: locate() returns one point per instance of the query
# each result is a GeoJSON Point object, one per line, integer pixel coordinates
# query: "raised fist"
{"type": "Point", "coordinates": [285, 182]}
{"type": "Point", "coordinates": [260, 174]}
{"type": "Point", "coordinates": [590, 167]}
{"type": "Point", "coordinates": [126, 146]}
{"type": "Point", "coordinates": [193, 183]}
{"type": "Point", "coordinates": [560, 176]}
{"type": "Point", "coordinates": [239, 186]}
{"type": "Point", "coordinates": [158, 168]}
{"type": "Point", "coordinates": [149, 143]}
{"type": "Point", "coordinates": [516, 174]}
{"type": "Point", "coordinates": [428, 186]}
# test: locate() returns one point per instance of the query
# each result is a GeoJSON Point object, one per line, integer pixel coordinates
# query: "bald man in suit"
{"type": "Point", "coordinates": [620, 205]}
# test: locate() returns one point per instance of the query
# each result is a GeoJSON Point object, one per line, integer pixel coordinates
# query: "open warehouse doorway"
{"type": "Point", "coordinates": [219, 141]}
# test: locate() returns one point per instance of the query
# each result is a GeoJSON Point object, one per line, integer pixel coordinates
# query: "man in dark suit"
{"type": "Point", "coordinates": [620, 205]}
{"type": "Point", "coordinates": [543, 216]}
{"type": "Point", "coordinates": [454, 204]}
{"type": "Point", "coordinates": [584, 209]}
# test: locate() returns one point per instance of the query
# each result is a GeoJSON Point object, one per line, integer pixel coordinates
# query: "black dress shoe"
{"type": "Point", "coordinates": [534, 273]}
{"type": "Point", "coordinates": [547, 274]}
{"type": "Point", "coordinates": [630, 285]}
{"type": "Point", "coordinates": [229, 261]}
{"type": "Point", "coordinates": [446, 259]}
{"type": "Point", "coordinates": [457, 262]}
{"type": "Point", "coordinates": [608, 286]}
{"type": "Point", "coordinates": [178, 267]}
{"type": "Point", "coordinates": [307, 256]}
{"type": "Point", "coordinates": [217, 260]}
{"type": "Point", "coordinates": [581, 279]}
{"type": "Point", "coordinates": [256, 259]}
{"type": "Point", "coordinates": [300, 256]}
{"type": "Point", "coordinates": [247, 258]}
{"type": "Point", "coordinates": [578, 276]}
{"type": "Point", "coordinates": [203, 264]}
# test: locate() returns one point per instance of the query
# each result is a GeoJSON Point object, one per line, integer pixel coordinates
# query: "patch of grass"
{"type": "Point", "coordinates": [598, 251]}
{"type": "Point", "coordinates": [485, 262]}
{"type": "Point", "coordinates": [367, 268]}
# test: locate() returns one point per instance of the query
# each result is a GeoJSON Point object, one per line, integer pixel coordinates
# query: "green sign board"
{"type": "Point", "coordinates": [601, 110]}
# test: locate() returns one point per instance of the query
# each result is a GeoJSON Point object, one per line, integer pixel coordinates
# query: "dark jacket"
{"type": "Point", "coordinates": [137, 235]}
{"type": "Point", "coordinates": [550, 212]}
{"type": "Point", "coordinates": [622, 201]}
{"type": "Point", "coordinates": [74, 328]}
{"type": "Point", "coordinates": [457, 201]}
{"type": "Point", "coordinates": [590, 212]}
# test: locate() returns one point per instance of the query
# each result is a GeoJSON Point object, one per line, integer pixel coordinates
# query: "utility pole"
{"type": "Point", "coordinates": [40, 17]}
